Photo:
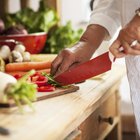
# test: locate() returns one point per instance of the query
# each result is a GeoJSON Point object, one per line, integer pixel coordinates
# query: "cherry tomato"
{"type": "Point", "coordinates": [47, 88]}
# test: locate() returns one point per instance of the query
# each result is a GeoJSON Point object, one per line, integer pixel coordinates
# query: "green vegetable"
{"type": "Point", "coordinates": [21, 91]}
{"type": "Point", "coordinates": [51, 81]}
{"type": "Point", "coordinates": [40, 21]}
{"type": "Point", "coordinates": [61, 37]}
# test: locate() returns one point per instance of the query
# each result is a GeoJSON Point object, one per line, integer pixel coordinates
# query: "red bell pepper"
{"type": "Point", "coordinates": [39, 79]}
{"type": "Point", "coordinates": [47, 88]}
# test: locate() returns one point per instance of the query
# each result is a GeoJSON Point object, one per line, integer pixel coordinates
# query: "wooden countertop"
{"type": "Point", "coordinates": [55, 118]}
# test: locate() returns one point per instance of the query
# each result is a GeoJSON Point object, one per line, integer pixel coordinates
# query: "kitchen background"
{"type": "Point", "coordinates": [78, 12]}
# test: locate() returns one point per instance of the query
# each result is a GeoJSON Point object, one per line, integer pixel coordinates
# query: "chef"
{"type": "Point", "coordinates": [106, 18]}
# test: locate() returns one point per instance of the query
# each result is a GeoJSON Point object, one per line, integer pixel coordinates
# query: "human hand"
{"type": "Point", "coordinates": [71, 57]}
{"type": "Point", "coordinates": [125, 39]}
{"type": "Point", "coordinates": [80, 52]}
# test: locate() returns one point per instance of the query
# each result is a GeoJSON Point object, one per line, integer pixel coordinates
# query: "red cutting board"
{"type": "Point", "coordinates": [46, 95]}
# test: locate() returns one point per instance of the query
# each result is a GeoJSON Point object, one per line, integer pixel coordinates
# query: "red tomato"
{"type": "Point", "coordinates": [47, 88]}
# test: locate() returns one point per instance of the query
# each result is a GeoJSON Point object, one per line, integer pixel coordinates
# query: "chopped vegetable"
{"type": "Point", "coordinates": [47, 88]}
{"type": "Point", "coordinates": [39, 79]}
{"type": "Point", "coordinates": [51, 80]}
{"type": "Point", "coordinates": [20, 90]}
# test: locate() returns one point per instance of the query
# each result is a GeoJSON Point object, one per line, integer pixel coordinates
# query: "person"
{"type": "Point", "coordinates": [106, 17]}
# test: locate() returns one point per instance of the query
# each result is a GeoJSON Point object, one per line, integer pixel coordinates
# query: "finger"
{"type": "Point", "coordinates": [55, 64]}
{"type": "Point", "coordinates": [130, 50]}
{"type": "Point", "coordinates": [65, 65]}
{"type": "Point", "coordinates": [114, 49]}
{"type": "Point", "coordinates": [137, 46]}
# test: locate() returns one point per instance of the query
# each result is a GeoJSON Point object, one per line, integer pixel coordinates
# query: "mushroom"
{"type": "Point", "coordinates": [20, 48]}
{"type": "Point", "coordinates": [4, 52]}
{"type": "Point", "coordinates": [15, 57]}
{"type": "Point", "coordinates": [26, 56]}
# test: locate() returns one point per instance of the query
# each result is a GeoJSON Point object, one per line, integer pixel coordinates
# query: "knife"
{"type": "Point", "coordinates": [89, 69]}
{"type": "Point", "coordinates": [86, 70]}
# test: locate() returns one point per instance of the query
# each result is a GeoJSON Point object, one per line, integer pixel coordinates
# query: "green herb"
{"type": "Point", "coordinates": [39, 21]}
{"type": "Point", "coordinates": [22, 92]}
{"type": "Point", "coordinates": [51, 81]}
{"type": "Point", "coordinates": [61, 37]}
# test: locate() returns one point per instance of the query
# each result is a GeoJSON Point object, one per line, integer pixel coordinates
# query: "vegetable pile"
{"type": "Point", "coordinates": [21, 91]}
{"type": "Point", "coordinates": [44, 20]}
{"type": "Point", "coordinates": [39, 21]}
{"type": "Point", "coordinates": [43, 81]}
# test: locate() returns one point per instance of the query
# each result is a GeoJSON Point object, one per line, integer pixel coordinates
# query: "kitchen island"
{"type": "Point", "coordinates": [90, 113]}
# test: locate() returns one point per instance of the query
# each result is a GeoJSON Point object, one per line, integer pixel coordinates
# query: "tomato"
{"type": "Point", "coordinates": [47, 88]}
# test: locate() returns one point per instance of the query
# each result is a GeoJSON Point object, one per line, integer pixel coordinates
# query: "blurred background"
{"type": "Point", "coordinates": [68, 21]}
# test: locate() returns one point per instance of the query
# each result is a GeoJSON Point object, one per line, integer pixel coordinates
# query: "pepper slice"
{"type": "Point", "coordinates": [47, 88]}
{"type": "Point", "coordinates": [39, 79]}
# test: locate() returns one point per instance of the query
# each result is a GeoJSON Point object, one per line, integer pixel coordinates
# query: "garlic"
{"type": "Point", "coordinates": [26, 56]}
{"type": "Point", "coordinates": [15, 57]}
{"type": "Point", "coordinates": [4, 52]}
{"type": "Point", "coordinates": [20, 48]}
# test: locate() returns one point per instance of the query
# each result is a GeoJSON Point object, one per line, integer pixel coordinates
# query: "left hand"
{"type": "Point", "coordinates": [127, 35]}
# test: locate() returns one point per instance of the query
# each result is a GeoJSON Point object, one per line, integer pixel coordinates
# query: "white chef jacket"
{"type": "Point", "coordinates": [111, 14]}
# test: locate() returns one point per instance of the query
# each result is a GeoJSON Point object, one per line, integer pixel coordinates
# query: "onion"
{"type": "Point", "coordinates": [5, 79]}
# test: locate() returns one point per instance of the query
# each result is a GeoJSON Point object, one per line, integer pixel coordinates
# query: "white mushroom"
{"type": "Point", "coordinates": [15, 57]}
{"type": "Point", "coordinates": [4, 52]}
{"type": "Point", "coordinates": [20, 48]}
{"type": "Point", "coordinates": [26, 56]}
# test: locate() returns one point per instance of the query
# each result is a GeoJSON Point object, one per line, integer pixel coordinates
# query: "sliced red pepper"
{"type": "Point", "coordinates": [38, 79]}
{"type": "Point", "coordinates": [47, 88]}
{"type": "Point", "coordinates": [17, 76]}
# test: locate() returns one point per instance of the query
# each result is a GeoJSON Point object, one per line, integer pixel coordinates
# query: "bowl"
{"type": "Point", "coordinates": [34, 43]}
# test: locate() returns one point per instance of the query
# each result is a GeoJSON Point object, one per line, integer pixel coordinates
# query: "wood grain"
{"type": "Point", "coordinates": [56, 118]}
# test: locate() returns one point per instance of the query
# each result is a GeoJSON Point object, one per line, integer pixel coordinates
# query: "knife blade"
{"type": "Point", "coordinates": [86, 70]}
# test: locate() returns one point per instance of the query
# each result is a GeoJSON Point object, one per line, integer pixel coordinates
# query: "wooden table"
{"type": "Point", "coordinates": [78, 112]}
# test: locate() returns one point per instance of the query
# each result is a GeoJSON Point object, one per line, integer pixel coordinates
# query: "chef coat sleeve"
{"type": "Point", "coordinates": [107, 14]}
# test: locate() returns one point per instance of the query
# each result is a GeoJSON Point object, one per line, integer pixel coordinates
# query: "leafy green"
{"type": "Point", "coordinates": [22, 91]}
{"type": "Point", "coordinates": [39, 21]}
{"type": "Point", "coordinates": [61, 37]}
{"type": "Point", "coordinates": [51, 81]}
{"type": "Point", "coordinates": [46, 20]}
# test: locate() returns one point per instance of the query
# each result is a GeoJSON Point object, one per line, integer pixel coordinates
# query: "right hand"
{"type": "Point", "coordinates": [80, 52]}
{"type": "Point", "coordinates": [70, 57]}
